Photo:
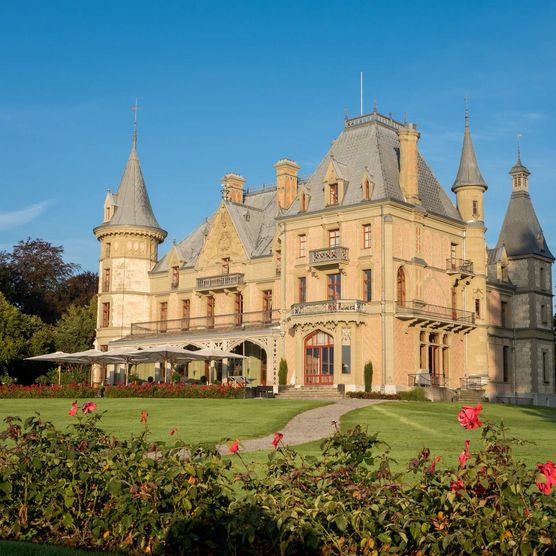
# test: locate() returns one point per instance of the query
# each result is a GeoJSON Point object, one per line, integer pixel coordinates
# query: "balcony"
{"type": "Point", "coordinates": [329, 256]}
{"type": "Point", "coordinates": [463, 267]}
{"type": "Point", "coordinates": [328, 306]}
{"type": "Point", "coordinates": [199, 325]}
{"type": "Point", "coordinates": [221, 282]}
{"type": "Point", "coordinates": [435, 316]}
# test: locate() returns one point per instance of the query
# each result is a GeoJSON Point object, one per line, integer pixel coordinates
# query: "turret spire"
{"type": "Point", "coordinates": [519, 172]}
{"type": "Point", "coordinates": [468, 172]}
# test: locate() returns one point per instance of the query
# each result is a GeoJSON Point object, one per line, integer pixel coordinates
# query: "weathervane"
{"type": "Point", "coordinates": [519, 136]}
{"type": "Point", "coordinates": [135, 109]}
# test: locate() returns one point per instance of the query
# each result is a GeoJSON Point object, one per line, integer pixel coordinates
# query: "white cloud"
{"type": "Point", "coordinates": [19, 217]}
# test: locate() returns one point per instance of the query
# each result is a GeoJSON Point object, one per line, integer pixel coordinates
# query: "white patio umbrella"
{"type": "Point", "coordinates": [125, 355]}
{"type": "Point", "coordinates": [56, 357]}
{"type": "Point", "coordinates": [166, 354]}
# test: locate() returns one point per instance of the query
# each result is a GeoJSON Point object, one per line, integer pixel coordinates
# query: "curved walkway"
{"type": "Point", "coordinates": [314, 424]}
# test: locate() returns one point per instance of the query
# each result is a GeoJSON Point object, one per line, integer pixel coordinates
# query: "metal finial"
{"type": "Point", "coordinates": [135, 109]}
{"type": "Point", "coordinates": [374, 105]}
{"type": "Point", "coordinates": [466, 102]}
{"type": "Point", "coordinates": [345, 114]}
{"type": "Point", "coordinates": [519, 136]}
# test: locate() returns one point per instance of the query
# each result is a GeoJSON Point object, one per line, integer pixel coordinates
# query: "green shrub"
{"type": "Point", "coordinates": [283, 372]}
{"type": "Point", "coordinates": [373, 396]}
{"type": "Point", "coordinates": [414, 395]}
{"type": "Point", "coordinates": [83, 488]}
{"type": "Point", "coordinates": [368, 376]}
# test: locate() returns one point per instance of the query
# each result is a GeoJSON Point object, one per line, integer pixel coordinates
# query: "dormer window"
{"type": "Point", "coordinates": [226, 265]}
{"type": "Point", "coordinates": [333, 194]}
{"type": "Point", "coordinates": [366, 190]}
{"type": "Point", "coordinates": [107, 214]}
{"type": "Point", "coordinates": [303, 202]}
{"type": "Point", "coordinates": [175, 277]}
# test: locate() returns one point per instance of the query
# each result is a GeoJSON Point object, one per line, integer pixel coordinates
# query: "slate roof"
{"type": "Point", "coordinates": [521, 233]}
{"type": "Point", "coordinates": [133, 206]}
{"type": "Point", "coordinates": [369, 145]}
{"type": "Point", "coordinates": [468, 172]}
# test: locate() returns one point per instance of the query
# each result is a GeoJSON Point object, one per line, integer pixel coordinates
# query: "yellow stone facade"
{"type": "Point", "coordinates": [328, 273]}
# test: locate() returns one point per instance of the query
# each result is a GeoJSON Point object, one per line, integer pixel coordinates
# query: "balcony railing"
{"type": "Point", "coordinates": [329, 306]}
{"type": "Point", "coordinates": [461, 266]}
{"type": "Point", "coordinates": [426, 379]}
{"type": "Point", "coordinates": [329, 255]}
{"type": "Point", "coordinates": [474, 382]}
{"type": "Point", "coordinates": [426, 311]}
{"type": "Point", "coordinates": [220, 282]}
{"type": "Point", "coordinates": [256, 319]}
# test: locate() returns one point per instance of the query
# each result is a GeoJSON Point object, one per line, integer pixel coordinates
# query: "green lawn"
{"type": "Point", "coordinates": [409, 426]}
{"type": "Point", "coordinates": [207, 421]}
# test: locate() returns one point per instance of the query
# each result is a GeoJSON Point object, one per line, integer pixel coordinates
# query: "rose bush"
{"type": "Point", "coordinates": [84, 488]}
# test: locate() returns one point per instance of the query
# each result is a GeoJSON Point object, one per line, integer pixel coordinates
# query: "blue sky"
{"type": "Point", "coordinates": [234, 86]}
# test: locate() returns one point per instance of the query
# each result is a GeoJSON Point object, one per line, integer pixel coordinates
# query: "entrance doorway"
{"type": "Point", "coordinates": [253, 367]}
{"type": "Point", "coordinates": [319, 359]}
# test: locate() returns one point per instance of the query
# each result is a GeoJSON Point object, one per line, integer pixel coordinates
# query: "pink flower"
{"type": "Point", "coordinates": [234, 448]}
{"type": "Point", "coordinates": [457, 485]}
{"type": "Point", "coordinates": [469, 417]}
{"type": "Point", "coordinates": [432, 466]}
{"type": "Point", "coordinates": [73, 409]}
{"type": "Point", "coordinates": [89, 407]}
{"type": "Point", "coordinates": [547, 469]}
{"type": "Point", "coordinates": [277, 437]}
{"type": "Point", "coordinates": [144, 416]}
{"type": "Point", "coordinates": [464, 456]}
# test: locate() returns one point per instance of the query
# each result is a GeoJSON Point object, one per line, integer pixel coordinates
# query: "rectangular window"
{"type": "Point", "coordinates": [185, 313]}
{"type": "Point", "coordinates": [105, 315]}
{"type": "Point", "coordinates": [453, 251]}
{"type": "Point", "coordinates": [333, 238]}
{"type": "Point", "coordinates": [226, 265]}
{"type": "Point", "coordinates": [334, 286]}
{"type": "Point", "coordinates": [302, 245]}
{"type": "Point", "coordinates": [107, 249]}
{"type": "Point", "coordinates": [107, 214]}
{"type": "Point", "coordinates": [475, 209]}
{"type": "Point", "coordinates": [367, 285]}
{"type": "Point", "coordinates": [478, 308]}
{"type": "Point", "coordinates": [544, 318]}
{"type": "Point", "coordinates": [238, 309]}
{"type": "Point", "coordinates": [302, 289]}
{"type": "Point", "coordinates": [504, 314]}
{"type": "Point", "coordinates": [333, 194]}
{"type": "Point", "coordinates": [541, 278]}
{"type": "Point", "coordinates": [505, 363]}
{"type": "Point", "coordinates": [175, 277]}
{"type": "Point", "coordinates": [210, 311]}
{"type": "Point", "coordinates": [545, 378]}
{"type": "Point", "coordinates": [267, 306]}
{"type": "Point", "coordinates": [366, 190]}
{"type": "Point", "coordinates": [366, 236]}
{"type": "Point", "coordinates": [346, 360]}
{"type": "Point", "coordinates": [106, 280]}
{"type": "Point", "coordinates": [163, 316]}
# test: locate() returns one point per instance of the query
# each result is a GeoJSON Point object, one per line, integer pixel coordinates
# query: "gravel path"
{"type": "Point", "coordinates": [314, 424]}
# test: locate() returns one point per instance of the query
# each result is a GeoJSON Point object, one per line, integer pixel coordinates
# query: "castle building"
{"type": "Point", "coordinates": [366, 260]}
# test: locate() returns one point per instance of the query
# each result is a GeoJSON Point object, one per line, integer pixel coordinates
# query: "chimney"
{"type": "Point", "coordinates": [232, 188]}
{"type": "Point", "coordinates": [286, 182]}
{"type": "Point", "coordinates": [409, 156]}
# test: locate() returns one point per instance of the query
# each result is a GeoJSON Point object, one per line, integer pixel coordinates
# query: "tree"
{"type": "Point", "coordinates": [21, 336]}
{"type": "Point", "coordinates": [35, 278]}
{"type": "Point", "coordinates": [75, 331]}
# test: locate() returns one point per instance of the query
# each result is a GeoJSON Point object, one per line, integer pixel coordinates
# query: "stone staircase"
{"type": "Point", "coordinates": [471, 397]}
{"type": "Point", "coordinates": [309, 392]}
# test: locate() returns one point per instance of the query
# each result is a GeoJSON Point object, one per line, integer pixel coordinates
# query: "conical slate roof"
{"type": "Point", "coordinates": [468, 173]}
{"type": "Point", "coordinates": [133, 204]}
{"type": "Point", "coordinates": [521, 233]}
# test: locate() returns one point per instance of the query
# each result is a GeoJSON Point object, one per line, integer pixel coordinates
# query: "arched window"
{"type": "Point", "coordinates": [401, 286]}
{"type": "Point", "coordinates": [319, 358]}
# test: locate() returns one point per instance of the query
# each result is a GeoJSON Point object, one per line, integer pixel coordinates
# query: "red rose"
{"type": "Point", "coordinates": [234, 448]}
{"type": "Point", "coordinates": [277, 437]}
{"type": "Point", "coordinates": [469, 417]}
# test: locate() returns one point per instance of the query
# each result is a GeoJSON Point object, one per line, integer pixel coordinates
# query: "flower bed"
{"type": "Point", "coordinates": [145, 390]}
{"type": "Point", "coordinates": [83, 488]}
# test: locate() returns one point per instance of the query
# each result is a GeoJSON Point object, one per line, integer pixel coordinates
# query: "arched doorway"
{"type": "Point", "coordinates": [400, 298]}
{"type": "Point", "coordinates": [253, 367]}
{"type": "Point", "coordinates": [319, 359]}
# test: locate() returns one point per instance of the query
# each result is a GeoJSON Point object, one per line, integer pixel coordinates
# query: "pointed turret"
{"type": "Point", "coordinates": [469, 185]}
{"type": "Point", "coordinates": [133, 204]}
{"type": "Point", "coordinates": [521, 232]}
{"type": "Point", "coordinates": [468, 172]}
